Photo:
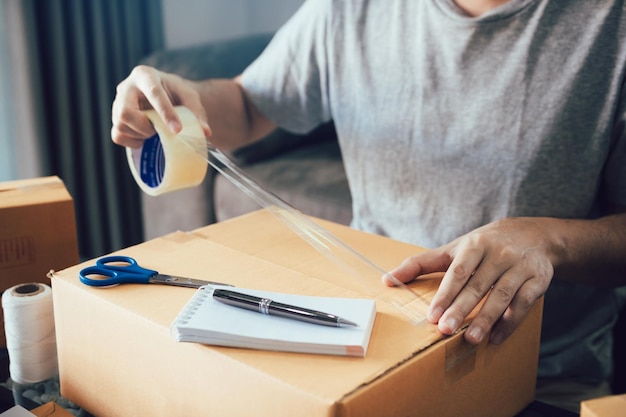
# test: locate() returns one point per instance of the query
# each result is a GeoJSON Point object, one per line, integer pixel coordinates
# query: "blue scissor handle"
{"type": "Point", "coordinates": [131, 272]}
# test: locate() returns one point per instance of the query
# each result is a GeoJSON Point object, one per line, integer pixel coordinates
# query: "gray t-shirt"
{"type": "Point", "coordinates": [448, 122]}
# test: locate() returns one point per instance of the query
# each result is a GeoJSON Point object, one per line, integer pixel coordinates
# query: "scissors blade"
{"type": "Point", "coordinates": [182, 281]}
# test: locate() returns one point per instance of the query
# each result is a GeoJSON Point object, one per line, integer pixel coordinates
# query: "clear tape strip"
{"type": "Point", "coordinates": [409, 302]}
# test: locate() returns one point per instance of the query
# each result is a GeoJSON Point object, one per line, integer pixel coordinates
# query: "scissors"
{"type": "Point", "coordinates": [126, 270]}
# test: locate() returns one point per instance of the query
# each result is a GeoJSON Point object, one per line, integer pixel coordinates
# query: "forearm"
{"type": "Point", "coordinates": [233, 119]}
{"type": "Point", "coordinates": [590, 251]}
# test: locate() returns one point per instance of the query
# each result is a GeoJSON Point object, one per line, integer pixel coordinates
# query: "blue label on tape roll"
{"type": "Point", "coordinates": [152, 162]}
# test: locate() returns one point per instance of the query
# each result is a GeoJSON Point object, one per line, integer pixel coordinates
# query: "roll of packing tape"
{"type": "Point", "coordinates": [29, 328]}
{"type": "Point", "coordinates": [166, 163]}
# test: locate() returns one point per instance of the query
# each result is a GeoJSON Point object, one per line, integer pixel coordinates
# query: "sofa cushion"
{"type": "Point", "coordinates": [311, 178]}
{"type": "Point", "coordinates": [280, 141]}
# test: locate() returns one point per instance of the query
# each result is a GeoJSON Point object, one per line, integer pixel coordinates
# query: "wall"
{"type": "Point", "coordinates": [193, 22]}
{"type": "Point", "coordinates": [7, 151]}
{"type": "Point", "coordinates": [18, 137]}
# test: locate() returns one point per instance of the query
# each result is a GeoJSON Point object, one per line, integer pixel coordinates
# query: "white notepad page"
{"type": "Point", "coordinates": [208, 321]}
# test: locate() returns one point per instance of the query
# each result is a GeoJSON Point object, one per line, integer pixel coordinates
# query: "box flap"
{"type": "Point", "coordinates": [32, 191]}
{"type": "Point", "coordinates": [51, 409]}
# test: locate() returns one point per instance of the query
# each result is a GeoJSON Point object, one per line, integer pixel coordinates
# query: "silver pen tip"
{"type": "Point", "coordinates": [344, 322]}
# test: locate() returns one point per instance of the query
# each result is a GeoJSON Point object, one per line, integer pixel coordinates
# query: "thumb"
{"type": "Point", "coordinates": [435, 260]}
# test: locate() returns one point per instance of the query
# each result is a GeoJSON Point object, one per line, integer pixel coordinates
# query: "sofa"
{"type": "Point", "coordinates": [306, 171]}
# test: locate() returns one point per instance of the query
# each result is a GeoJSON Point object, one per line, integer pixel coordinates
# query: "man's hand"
{"type": "Point", "coordinates": [147, 88]}
{"type": "Point", "coordinates": [509, 261]}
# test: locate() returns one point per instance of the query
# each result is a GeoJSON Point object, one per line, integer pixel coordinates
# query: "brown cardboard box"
{"type": "Point", "coordinates": [51, 409]}
{"type": "Point", "coordinates": [117, 358]}
{"type": "Point", "coordinates": [37, 232]}
{"type": "Point", "coordinates": [611, 406]}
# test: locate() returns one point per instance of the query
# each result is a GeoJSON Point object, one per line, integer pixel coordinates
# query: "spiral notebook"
{"type": "Point", "coordinates": [205, 320]}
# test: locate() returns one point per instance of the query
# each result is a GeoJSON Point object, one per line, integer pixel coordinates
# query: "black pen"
{"type": "Point", "coordinates": [270, 307]}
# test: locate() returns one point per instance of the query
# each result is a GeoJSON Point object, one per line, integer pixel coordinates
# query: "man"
{"type": "Point", "coordinates": [497, 126]}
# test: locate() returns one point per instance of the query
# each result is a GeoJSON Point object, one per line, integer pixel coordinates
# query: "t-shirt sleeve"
{"type": "Point", "coordinates": [288, 81]}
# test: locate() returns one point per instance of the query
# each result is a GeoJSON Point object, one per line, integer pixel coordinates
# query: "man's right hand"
{"type": "Point", "coordinates": [146, 88]}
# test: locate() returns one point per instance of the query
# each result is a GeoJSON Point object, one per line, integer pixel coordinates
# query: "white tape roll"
{"type": "Point", "coordinates": [29, 327]}
{"type": "Point", "coordinates": [165, 163]}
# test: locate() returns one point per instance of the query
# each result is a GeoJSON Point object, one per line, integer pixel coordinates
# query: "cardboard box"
{"type": "Point", "coordinates": [611, 406]}
{"type": "Point", "coordinates": [37, 232]}
{"type": "Point", "coordinates": [117, 358]}
{"type": "Point", "coordinates": [51, 409]}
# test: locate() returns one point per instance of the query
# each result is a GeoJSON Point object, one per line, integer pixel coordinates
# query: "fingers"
{"type": "Point", "coordinates": [163, 91]}
{"type": "Point", "coordinates": [502, 304]}
{"type": "Point", "coordinates": [423, 263]}
{"type": "Point", "coordinates": [503, 267]}
{"type": "Point", "coordinates": [190, 98]}
{"type": "Point", "coordinates": [454, 282]}
{"type": "Point", "coordinates": [130, 126]}
{"type": "Point", "coordinates": [151, 84]}
{"type": "Point", "coordinates": [511, 288]}
{"type": "Point", "coordinates": [147, 88]}
{"type": "Point", "coordinates": [513, 316]}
